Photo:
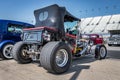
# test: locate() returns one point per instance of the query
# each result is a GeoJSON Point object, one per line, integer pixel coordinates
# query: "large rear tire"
{"type": "Point", "coordinates": [100, 52]}
{"type": "Point", "coordinates": [19, 52]}
{"type": "Point", "coordinates": [56, 57]}
{"type": "Point", "coordinates": [6, 51]}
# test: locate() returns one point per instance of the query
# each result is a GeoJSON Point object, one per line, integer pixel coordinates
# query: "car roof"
{"type": "Point", "coordinates": [16, 22]}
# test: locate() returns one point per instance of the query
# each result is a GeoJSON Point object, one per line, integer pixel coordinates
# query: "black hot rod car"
{"type": "Point", "coordinates": [50, 44]}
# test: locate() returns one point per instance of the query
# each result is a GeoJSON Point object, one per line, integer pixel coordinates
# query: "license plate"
{"type": "Point", "coordinates": [32, 36]}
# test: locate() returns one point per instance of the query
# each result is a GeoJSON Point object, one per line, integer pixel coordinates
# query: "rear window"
{"type": "Point", "coordinates": [43, 16]}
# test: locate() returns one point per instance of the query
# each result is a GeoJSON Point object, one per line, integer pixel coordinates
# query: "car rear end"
{"type": "Point", "coordinates": [115, 40]}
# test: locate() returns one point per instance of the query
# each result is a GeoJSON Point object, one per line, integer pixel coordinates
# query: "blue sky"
{"type": "Point", "coordinates": [22, 10]}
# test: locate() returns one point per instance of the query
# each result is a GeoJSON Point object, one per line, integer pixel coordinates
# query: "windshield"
{"type": "Point", "coordinates": [70, 25]}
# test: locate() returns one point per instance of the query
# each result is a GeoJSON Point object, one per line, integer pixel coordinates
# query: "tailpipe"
{"type": "Point", "coordinates": [84, 50]}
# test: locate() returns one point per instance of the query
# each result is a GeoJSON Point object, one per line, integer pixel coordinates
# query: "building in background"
{"type": "Point", "coordinates": [100, 24]}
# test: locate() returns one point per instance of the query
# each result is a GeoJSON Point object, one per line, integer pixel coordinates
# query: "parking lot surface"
{"type": "Point", "coordinates": [84, 68]}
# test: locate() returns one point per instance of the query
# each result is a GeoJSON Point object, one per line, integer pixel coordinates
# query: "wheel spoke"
{"type": "Point", "coordinates": [6, 50]}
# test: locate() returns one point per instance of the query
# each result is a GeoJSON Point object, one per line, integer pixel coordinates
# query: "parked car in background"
{"type": "Point", "coordinates": [97, 39]}
{"type": "Point", "coordinates": [10, 32]}
{"type": "Point", "coordinates": [94, 38]}
{"type": "Point", "coordinates": [114, 38]}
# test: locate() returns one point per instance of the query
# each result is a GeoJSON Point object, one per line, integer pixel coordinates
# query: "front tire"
{"type": "Point", "coordinates": [20, 53]}
{"type": "Point", "coordinates": [56, 57]}
{"type": "Point", "coordinates": [6, 51]}
{"type": "Point", "coordinates": [100, 52]}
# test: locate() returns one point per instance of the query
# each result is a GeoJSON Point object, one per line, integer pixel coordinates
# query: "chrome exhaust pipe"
{"type": "Point", "coordinates": [84, 50]}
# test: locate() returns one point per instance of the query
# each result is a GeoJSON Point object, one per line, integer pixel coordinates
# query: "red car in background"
{"type": "Point", "coordinates": [95, 38]}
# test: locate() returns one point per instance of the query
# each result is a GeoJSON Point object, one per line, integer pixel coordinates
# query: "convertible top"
{"type": "Point", "coordinates": [53, 16]}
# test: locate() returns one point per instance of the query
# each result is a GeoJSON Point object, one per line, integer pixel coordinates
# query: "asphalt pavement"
{"type": "Point", "coordinates": [84, 68]}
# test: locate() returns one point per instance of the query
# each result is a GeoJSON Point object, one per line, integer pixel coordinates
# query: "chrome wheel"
{"type": "Point", "coordinates": [7, 51]}
{"type": "Point", "coordinates": [20, 54]}
{"type": "Point", "coordinates": [102, 52]}
{"type": "Point", "coordinates": [24, 53]}
{"type": "Point", "coordinates": [61, 58]}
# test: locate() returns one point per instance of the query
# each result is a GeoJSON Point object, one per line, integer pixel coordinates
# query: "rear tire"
{"type": "Point", "coordinates": [56, 57]}
{"type": "Point", "coordinates": [6, 51]}
{"type": "Point", "coordinates": [100, 52]}
{"type": "Point", "coordinates": [20, 54]}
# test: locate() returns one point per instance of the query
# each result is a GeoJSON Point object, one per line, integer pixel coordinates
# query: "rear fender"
{"type": "Point", "coordinates": [6, 42]}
